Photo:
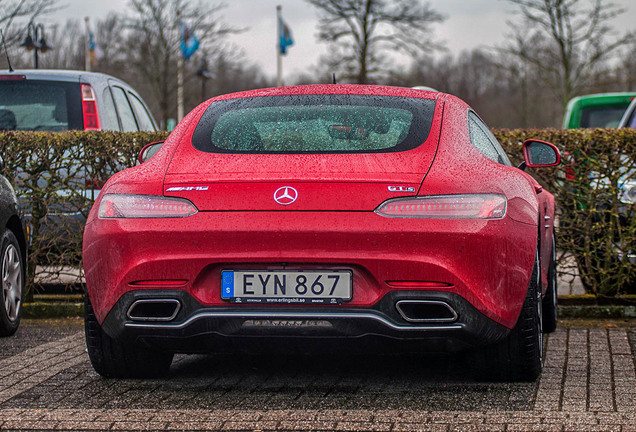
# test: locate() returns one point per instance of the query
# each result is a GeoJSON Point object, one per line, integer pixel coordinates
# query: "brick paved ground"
{"type": "Point", "coordinates": [589, 384]}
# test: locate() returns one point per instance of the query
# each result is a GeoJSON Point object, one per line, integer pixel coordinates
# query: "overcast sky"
{"type": "Point", "coordinates": [468, 24]}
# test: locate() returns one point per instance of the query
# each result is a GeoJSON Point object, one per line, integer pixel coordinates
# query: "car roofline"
{"type": "Point", "coordinates": [63, 75]}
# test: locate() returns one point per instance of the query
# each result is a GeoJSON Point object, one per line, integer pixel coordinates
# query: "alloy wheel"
{"type": "Point", "coordinates": [11, 282]}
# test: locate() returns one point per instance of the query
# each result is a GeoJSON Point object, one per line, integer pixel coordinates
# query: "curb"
{"type": "Point", "coordinates": [46, 310]}
{"type": "Point", "coordinates": [595, 312]}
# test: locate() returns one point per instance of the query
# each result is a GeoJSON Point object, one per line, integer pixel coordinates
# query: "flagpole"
{"type": "Point", "coordinates": [279, 56]}
{"type": "Point", "coordinates": [87, 60]}
{"type": "Point", "coordinates": [179, 74]}
{"type": "Point", "coordinates": [180, 88]}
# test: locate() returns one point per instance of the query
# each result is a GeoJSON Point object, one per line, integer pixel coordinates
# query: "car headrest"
{"type": "Point", "coordinates": [7, 120]}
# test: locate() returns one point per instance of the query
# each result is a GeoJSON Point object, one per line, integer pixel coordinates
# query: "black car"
{"type": "Point", "coordinates": [13, 257]}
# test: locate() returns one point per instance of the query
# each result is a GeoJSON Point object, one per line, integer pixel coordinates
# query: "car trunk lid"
{"type": "Point", "coordinates": [315, 182]}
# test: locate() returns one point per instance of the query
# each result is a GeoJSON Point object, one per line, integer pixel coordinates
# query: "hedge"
{"type": "Point", "coordinates": [595, 228]}
{"type": "Point", "coordinates": [53, 174]}
{"type": "Point", "coordinates": [596, 232]}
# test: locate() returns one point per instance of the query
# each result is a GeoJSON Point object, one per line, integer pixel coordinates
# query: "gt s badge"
{"type": "Point", "coordinates": [187, 188]}
{"type": "Point", "coordinates": [401, 189]}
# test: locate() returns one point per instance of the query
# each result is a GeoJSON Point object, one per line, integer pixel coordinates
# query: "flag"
{"type": "Point", "coordinates": [92, 50]}
{"type": "Point", "coordinates": [284, 36]}
{"type": "Point", "coordinates": [189, 42]}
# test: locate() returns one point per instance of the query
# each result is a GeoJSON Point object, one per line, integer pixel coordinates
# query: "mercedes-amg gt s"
{"type": "Point", "coordinates": [306, 216]}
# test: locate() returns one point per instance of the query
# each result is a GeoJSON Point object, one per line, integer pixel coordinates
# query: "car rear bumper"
{"type": "Point", "coordinates": [486, 262]}
{"type": "Point", "coordinates": [446, 323]}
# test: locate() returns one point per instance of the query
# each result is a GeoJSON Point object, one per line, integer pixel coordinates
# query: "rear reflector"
{"type": "Point", "coordinates": [473, 206]}
{"type": "Point", "coordinates": [160, 282]}
{"type": "Point", "coordinates": [119, 206]}
{"type": "Point", "coordinates": [12, 77]}
{"type": "Point", "coordinates": [417, 284]}
{"type": "Point", "coordinates": [89, 108]}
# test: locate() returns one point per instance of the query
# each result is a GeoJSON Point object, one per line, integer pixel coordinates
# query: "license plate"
{"type": "Point", "coordinates": [286, 286]}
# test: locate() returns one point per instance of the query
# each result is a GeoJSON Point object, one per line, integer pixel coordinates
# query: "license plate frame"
{"type": "Point", "coordinates": [287, 286]}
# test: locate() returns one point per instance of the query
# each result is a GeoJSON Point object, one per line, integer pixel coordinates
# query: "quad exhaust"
{"type": "Point", "coordinates": [426, 311]}
{"type": "Point", "coordinates": [154, 310]}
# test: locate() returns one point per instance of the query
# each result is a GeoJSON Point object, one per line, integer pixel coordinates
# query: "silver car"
{"type": "Point", "coordinates": [60, 100]}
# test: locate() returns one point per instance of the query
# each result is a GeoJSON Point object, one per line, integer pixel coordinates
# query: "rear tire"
{"type": "Point", "coordinates": [12, 274]}
{"type": "Point", "coordinates": [115, 359]}
{"type": "Point", "coordinates": [550, 312]}
{"type": "Point", "coordinates": [518, 357]}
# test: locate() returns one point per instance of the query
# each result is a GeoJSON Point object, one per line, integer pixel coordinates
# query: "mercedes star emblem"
{"type": "Point", "coordinates": [285, 195]}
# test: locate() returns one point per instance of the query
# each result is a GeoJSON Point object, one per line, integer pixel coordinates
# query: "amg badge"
{"type": "Point", "coordinates": [187, 188]}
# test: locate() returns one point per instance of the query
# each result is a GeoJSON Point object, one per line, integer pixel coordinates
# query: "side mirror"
{"type": "Point", "coordinates": [539, 154]}
{"type": "Point", "coordinates": [149, 150]}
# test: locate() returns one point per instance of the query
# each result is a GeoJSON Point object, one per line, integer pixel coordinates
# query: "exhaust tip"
{"type": "Point", "coordinates": [426, 311]}
{"type": "Point", "coordinates": [154, 310]}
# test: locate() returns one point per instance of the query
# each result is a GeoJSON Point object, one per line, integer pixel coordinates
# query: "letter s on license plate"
{"type": "Point", "coordinates": [286, 286]}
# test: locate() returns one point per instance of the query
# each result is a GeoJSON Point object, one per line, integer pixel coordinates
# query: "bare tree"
{"type": "Point", "coordinates": [153, 42]}
{"type": "Point", "coordinates": [364, 31]}
{"type": "Point", "coordinates": [14, 14]}
{"type": "Point", "coordinates": [627, 68]}
{"type": "Point", "coordinates": [14, 18]}
{"type": "Point", "coordinates": [111, 42]}
{"type": "Point", "coordinates": [68, 40]}
{"type": "Point", "coordinates": [572, 41]}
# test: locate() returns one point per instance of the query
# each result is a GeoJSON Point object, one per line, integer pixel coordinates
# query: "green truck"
{"type": "Point", "coordinates": [602, 110]}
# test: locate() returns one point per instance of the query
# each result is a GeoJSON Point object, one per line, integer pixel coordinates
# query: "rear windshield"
{"type": "Point", "coordinates": [602, 117]}
{"type": "Point", "coordinates": [40, 106]}
{"type": "Point", "coordinates": [314, 124]}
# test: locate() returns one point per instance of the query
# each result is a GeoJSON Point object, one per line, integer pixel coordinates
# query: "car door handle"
{"type": "Point", "coordinates": [546, 217]}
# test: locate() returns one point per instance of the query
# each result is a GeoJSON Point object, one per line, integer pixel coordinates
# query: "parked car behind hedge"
{"type": "Point", "coordinates": [57, 101]}
{"type": "Point", "coordinates": [602, 110]}
{"type": "Point", "coordinates": [60, 100]}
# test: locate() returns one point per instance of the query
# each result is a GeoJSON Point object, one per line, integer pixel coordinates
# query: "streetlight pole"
{"type": "Point", "coordinates": [204, 74]}
{"type": "Point", "coordinates": [35, 41]}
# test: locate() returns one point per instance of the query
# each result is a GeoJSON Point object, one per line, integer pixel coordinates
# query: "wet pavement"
{"type": "Point", "coordinates": [588, 384]}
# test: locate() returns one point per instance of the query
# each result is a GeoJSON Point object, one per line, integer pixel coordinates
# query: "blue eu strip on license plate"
{"type": "Point", "coordinates": [228, 284]}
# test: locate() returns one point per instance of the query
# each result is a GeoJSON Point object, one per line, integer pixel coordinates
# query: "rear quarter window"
{"type": "Point", "coordinates": [314, 124]}
{"type": "Point", "coordinates": [126, 115]}
{"type": "Point", "coordinates": [143, 117]}
{"type": "Point", "coordinates": [109, 113]}
{"type": "Point", "coordinates": [484, 141]}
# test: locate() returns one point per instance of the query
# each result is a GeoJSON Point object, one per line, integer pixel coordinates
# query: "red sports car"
{"type": "Point", "coordinates": [303, 217]}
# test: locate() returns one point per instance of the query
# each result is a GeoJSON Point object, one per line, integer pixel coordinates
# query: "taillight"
{"type": "Point", "coordinates": [470, 206]}
{"type": "Point", "coordinates": [120, 206]}
{"type": "Point", "coordinates": [568, 166]}
{"type": "Point", "coordinates": [89, 108]}
{"type": "Point", "coordinates": [94, 184]}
